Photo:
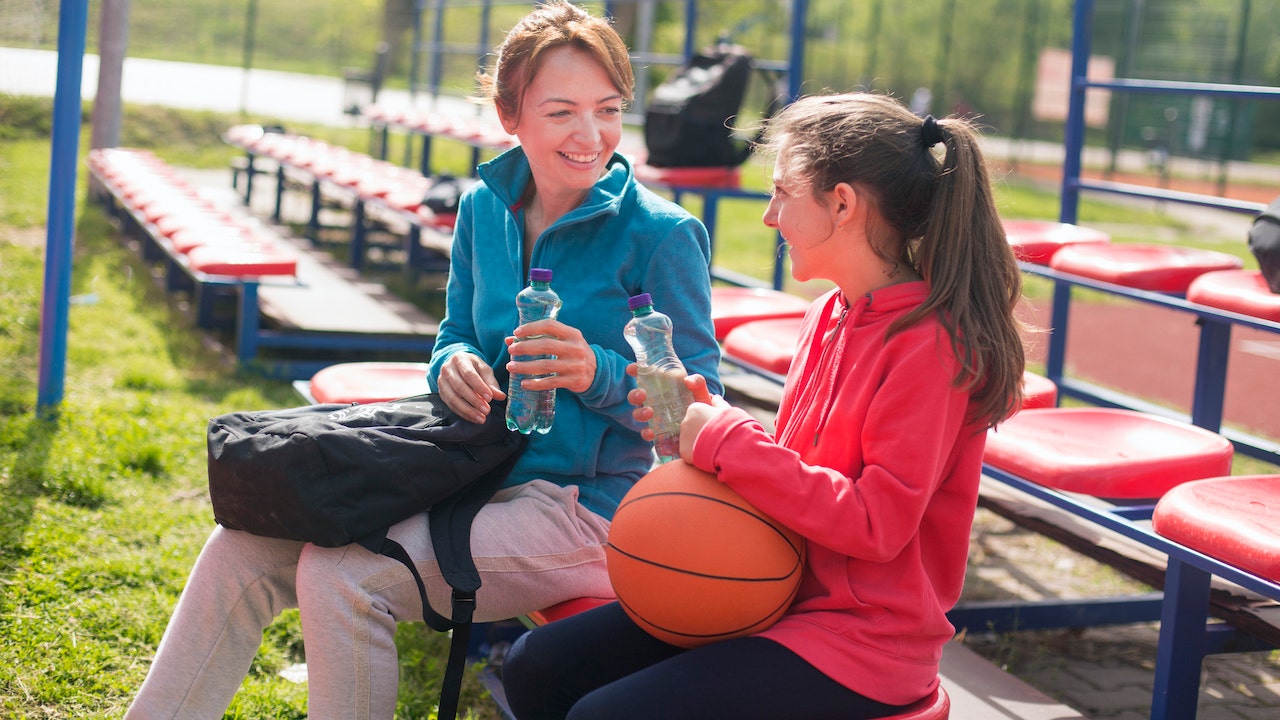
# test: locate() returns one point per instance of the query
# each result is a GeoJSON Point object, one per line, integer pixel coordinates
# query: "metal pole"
{"type": "Point", "coordinates": [644, 43]}
{"type": "Point", "coordinates": [690, 28]}
{"type": "Point", "coordinates": [873, 44]}
{"type": "Point", "coordinates": [795, 60]}
{"type": "Point", "coordinates": [1237, 74]}
{"type": "Point", "coordinates": [73, 18]}
{"type": "Point", "coordinates": [941, 79]}
{"type": "Point", "coordinates": [1073, 142]}
{"type": "Point", "coordinates": [1120, 115]}
{"type": "Point", "coordinates": [415, 53]}
{"type": "Point", "coordinates": [437, 58]}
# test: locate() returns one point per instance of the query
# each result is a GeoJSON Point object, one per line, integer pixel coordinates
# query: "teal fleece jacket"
{"type": "Point", "coordinates": [623, 240]}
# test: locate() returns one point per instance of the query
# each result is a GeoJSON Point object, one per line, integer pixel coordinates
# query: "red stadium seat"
{"type": "Point", "coordinates": [1036, 241]}
{"type": "Point", "coordinates": [1157, 268]}
{"type": "Point", "coordinates": [364, 382]}
{"type": "Point", "coordinates": [1233, 519]}
{"type": "Point", "coordinates": [1104, 452]}
{"type": "Point", "coordinates": [733, 306]}
{"type": "Point", "coordinates": [1238, 291]}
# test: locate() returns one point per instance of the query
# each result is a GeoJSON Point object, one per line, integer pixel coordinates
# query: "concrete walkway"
{"type": "Point", "coordinates": [255, 93]}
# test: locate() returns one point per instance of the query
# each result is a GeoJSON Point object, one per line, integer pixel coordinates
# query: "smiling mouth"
{"type": "Point", "coordinates": [580, 158]}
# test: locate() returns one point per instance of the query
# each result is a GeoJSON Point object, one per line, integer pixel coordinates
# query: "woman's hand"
{"type": "Point", "coordinates": [467, 384]}
{"type": "Point", "coordinates": [573, 362]}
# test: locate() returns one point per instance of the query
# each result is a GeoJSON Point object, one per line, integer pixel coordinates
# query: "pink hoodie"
{"type": "Point", "coordinates": [876, 465]}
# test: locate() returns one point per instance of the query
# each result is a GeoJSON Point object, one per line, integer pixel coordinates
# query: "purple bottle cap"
{"type": "Point", "coordinates": [539, 275]}
{"type": "Point", "coordinates": [639, 301]}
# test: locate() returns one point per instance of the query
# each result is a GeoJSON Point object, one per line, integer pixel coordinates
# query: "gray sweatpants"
{"type": "Point", "coordinates": [533, 544]}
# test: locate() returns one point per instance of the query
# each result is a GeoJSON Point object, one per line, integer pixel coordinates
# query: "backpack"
{"type": "Point", "coordinates": [334, 474]}
{"type": "Point", "coordinates": [445, 192]}
{"type": "Point", "coordinates": [686, 120]}
{"type": "Point", "coordinates": [1264, 243]}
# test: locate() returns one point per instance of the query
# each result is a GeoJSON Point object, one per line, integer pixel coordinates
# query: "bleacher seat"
{"type": "Point", "coordinates": [566, 609]}
{"type": "Point", "coordinates": [689, 177]}
{"type": "Point", "coordinates": [364, 382]}
{"type": "Point", "coordinates": [1156, 268]}
{"type": "Point", "coordinates": [1233, 519]}
{"type": "Point", "coordinates": [243, 259]}
{"type": "Point", "coordinates": [733, 306]}
{"type": "Point", "coordinates": [937, 706]}
{"type": "Point", "coordinates": [200, 236]}
{"type": "Point", "coordinates": [1038, 391]}
{"type": "Point", "coordinates": [1239, 291]}
{"type": "Point", "coordinates": [1036, 241]}
{"type": "Point", "coordinates": [768, 345]}
{"type": "Point", "coordinates": [1105, 452]}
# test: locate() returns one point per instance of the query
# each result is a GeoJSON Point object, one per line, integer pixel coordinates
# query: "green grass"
{"type": "Point", "coordinates": [104, 507]}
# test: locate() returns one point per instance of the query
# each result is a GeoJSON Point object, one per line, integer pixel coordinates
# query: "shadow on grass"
{"type": "Point", "coordinates": [25, 485]}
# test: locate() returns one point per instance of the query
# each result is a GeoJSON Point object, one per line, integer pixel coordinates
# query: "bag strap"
{"type": "Point", "coordinates": [450, 526]}
{"type": "Point", "coordinates": [464, 605]}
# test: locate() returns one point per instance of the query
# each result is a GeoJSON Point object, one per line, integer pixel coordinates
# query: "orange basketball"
{"type": "Point", "coordinates": [692, 562]}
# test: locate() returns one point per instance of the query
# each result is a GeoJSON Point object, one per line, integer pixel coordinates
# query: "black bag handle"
{"type": "Point", "coordinates": [450, 525]}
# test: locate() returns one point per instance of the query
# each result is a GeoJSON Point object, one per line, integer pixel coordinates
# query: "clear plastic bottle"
{"type": "Point", "coordinates": [660, 374]}
{"type": "Point", "coordinates": [533, 410]}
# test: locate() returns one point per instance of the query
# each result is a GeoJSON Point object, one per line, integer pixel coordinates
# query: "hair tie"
{"type": "Point", "coordinates": [930, 132]}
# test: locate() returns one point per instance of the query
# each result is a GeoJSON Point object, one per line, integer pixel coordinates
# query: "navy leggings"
{"type": "Point", "coordinates": [599, 665]}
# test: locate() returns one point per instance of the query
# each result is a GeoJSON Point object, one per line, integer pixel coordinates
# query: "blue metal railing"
{"type": "Point", "coordinates": [1215, 325]}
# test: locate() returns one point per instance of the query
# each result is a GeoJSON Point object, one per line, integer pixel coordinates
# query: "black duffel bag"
{"type": "Point", "coordinates": [339, 474]}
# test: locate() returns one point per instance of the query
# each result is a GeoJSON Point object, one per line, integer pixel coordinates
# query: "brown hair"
{"type": "Point", "coordinates": [551, 25]}
{"type": "Point", "coordinates": [936, 215]}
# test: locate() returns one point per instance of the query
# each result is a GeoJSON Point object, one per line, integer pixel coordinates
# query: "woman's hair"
{"type": "Point", "coordinates": [933, 213]}
{"type": "Point", "coordinates": [553, 24]}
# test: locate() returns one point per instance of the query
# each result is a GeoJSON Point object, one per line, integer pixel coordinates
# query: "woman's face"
{"type": "Point", "coordinates": [806, 225]}
{"type": "Point", "coordinates": [570, 122]}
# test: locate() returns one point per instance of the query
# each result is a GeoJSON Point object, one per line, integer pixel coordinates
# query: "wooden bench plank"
{"type": "Point", "coordinates": [980, 690]}
{"type": "Point", "coordinates": [329, 299]}
{"type": "Point", "coordinates": [1245, 610]}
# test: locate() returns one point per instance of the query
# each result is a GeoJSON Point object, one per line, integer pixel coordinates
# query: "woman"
{"type": "Point", "coordinates": [562, 200]}
{"type": "Point", "coordinates": [878, 450]}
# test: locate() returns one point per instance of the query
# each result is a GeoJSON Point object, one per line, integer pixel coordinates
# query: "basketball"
{"type": "Point", "coordinates": [692, 562]}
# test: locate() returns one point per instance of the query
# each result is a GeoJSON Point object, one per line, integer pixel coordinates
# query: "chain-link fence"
{"type": "Point", "coordinates": [316, 36]}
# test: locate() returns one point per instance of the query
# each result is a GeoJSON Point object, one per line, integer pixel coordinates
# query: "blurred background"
{"type": "Point", "coordinates": [1000, 59]}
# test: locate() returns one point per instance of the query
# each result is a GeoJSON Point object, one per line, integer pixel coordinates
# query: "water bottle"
{"type": "Point", "coordinates": [660, 374]}
{"type": "Point", "coordinates": [533, 410]}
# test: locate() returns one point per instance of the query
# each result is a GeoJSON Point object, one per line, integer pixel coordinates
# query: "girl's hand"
{"type": "Point", "coordinates": [697, 385]}
{"type": "Point", "coordinates": [467, 384]}
{"type": "Point", "coordinates": [572, 364]}
{"type": "Point", "coordinates": [696, 417]}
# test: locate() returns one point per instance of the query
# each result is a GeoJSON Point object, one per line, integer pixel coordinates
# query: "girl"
{"type": "Point", "coordinates": [901, 369]}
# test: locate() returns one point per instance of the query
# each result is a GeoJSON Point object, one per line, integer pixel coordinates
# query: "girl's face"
{"type": "Point", "coordinates": [806, 225]}
{"type": "Point", "coordinates": [570, 122]}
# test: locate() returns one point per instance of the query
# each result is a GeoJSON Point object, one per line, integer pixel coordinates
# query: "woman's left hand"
{"type": "Point", "coordinates": [573, 362]}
